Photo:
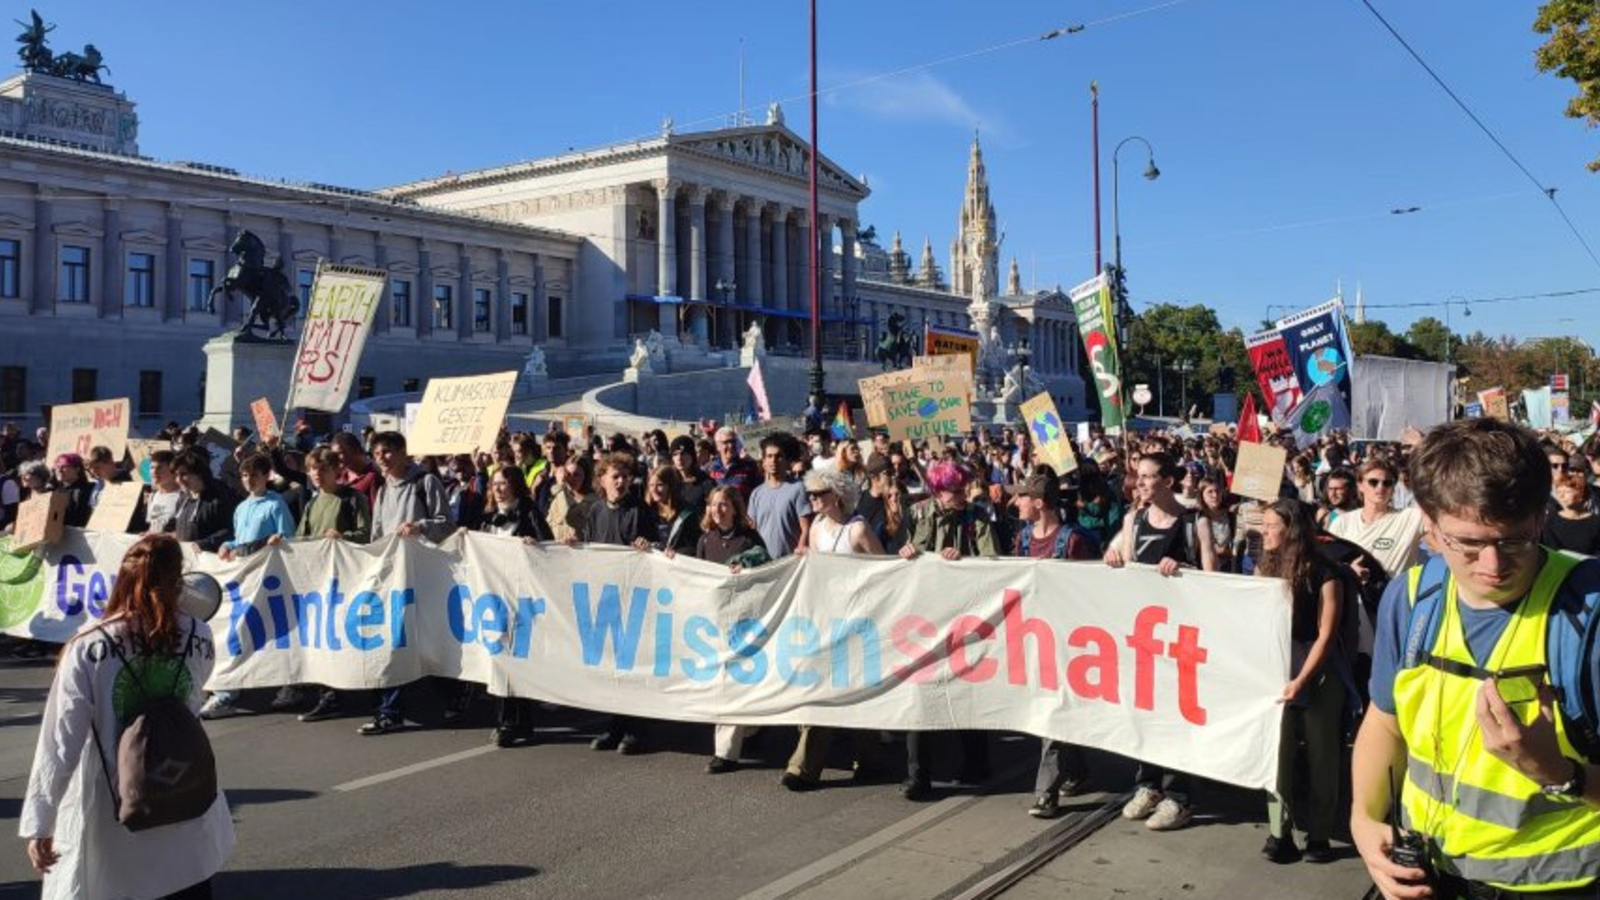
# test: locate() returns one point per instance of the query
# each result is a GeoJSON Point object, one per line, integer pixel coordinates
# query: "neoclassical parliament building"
{"type": "Point", "coordinates": [107, 258]}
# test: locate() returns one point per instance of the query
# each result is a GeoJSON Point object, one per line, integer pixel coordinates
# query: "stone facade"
{"type": "Point", "coordinates": [73, 113]}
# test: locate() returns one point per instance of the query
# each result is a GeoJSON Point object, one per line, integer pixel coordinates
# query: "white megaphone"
{"type": "Point", "coordinates": [201, 597]}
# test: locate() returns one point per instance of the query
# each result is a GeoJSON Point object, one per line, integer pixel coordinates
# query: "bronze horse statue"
{"type": "Point", "coordinates": [273, 300]}
{"type": "Point", "coordinates": [896, 347]}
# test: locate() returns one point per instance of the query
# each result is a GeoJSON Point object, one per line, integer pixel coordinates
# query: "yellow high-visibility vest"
{"type": "Point", "coordinates": [1488, 822]}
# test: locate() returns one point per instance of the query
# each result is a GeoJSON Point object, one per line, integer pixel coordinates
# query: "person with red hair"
{"type": "Point", "coordinates": [145, 647]}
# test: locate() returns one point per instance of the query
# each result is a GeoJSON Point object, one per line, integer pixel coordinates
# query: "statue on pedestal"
{"type": "Point", "coordinates": [534, 369]}
{"type": "Point", "coordinates": [273, 300]}
{"type": "Point", "coordinates": [894, 348]}
{"type": "Point", "coordinates": [36, 57]}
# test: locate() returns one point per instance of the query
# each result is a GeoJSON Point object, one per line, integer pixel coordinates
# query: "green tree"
{"type": "Point", "coordinates": [1374, 338]}
{"type": "Point", "coordinates": [1166, 338]}
{"type": "Point", "coordinates": [1432, 339]}
{"type": "Point", "coordinates": [1573, 51]}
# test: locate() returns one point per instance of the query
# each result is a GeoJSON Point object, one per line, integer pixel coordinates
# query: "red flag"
{"type": "Point", "coordinates": [1249, 429]}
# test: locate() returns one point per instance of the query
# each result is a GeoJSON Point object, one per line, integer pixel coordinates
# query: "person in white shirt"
{"type": "Point", "coordinates": [1389, 534]}
{"type": "Point", "coordinates": [69, 815]}
{"type": "Point", "coordinates": [162, 505]}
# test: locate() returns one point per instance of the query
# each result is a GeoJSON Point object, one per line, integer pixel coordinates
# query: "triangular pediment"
{"type": "Point", "coordinates": [204, 245]}
{"type": "Point", "coordinates": [77, 230]}
{"type": "Point", "coordinates": [143, 236]}
{"type": "Point", "coordinates": [9, 222]}
{"type": "Point", "coordinates": [770, 148]}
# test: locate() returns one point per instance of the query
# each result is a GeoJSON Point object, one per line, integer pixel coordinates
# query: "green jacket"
{"type": "Point", "coordinates": [934, 529]}
{"type": "Point", "coordinates": [344, 510]}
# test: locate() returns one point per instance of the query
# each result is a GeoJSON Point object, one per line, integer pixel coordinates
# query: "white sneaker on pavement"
{"type": "Point", "coordinates": [1144, 802]}
{"type": "Point", "coordinates": [1170, 815]}
{"type": "Point", "coordinates": [216, 708]}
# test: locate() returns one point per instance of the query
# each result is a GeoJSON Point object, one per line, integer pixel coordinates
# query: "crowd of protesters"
{"type": "Point", "coordinates": [1344, 525]}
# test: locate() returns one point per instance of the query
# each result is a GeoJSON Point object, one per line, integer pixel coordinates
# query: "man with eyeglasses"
{"type": "Point", "coordinates": [1389, 534]}
{"type": "Point", "coordinates": [731, 467]}
{"type": "Point", "coordinates": [1484, 688]}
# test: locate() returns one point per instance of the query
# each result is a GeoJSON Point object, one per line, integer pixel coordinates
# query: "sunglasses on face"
{"type": "Point", "coordinates": [1380, 482]}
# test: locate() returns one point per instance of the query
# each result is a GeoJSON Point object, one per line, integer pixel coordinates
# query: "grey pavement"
{"type": "Point", "coordinates": [436, 813]}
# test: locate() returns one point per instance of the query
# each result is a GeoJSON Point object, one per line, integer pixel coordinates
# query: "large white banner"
{"type": "Point", "coordinates": [1391, 395]}
{"type": "Point", "coordinates": [1183, 671]}
{"type": "Point", "coordinates": [334, 331]}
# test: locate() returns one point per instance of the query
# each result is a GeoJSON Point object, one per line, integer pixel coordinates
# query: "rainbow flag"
{"type": "Point", "coordinates": [843, 430]}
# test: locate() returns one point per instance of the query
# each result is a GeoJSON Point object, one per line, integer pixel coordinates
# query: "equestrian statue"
{"type": "Point", "coordinates": [896, 347]}
{"type": "Point", "coordinates": [273, 300]}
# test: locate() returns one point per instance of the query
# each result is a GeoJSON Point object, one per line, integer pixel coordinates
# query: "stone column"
{"type": "Point", "coordinates": [175, 297]}
{"type": "Point", "coordinates": [335, 244]}
{"type": "Point", "coordinates": [750, 285]}
{"type": "Point", "coordinates": [44, 251]}
{"type": "Point", "coordinates": [824, 241]}
{"type": "Point", "coordinates": [500, 325]}
{"type": "Point", "coordinates": [697, 262]}
{"type": "Point", "coordinates": [466, 314]}
{"type": "Point", "coordinates": [847, 247]}
{"type": "Point", "coordinates": [539, 304]}
{"type": "Point", "coordinates": [111, 281]}
{"type": "Point", "coordinates": [290, 269]}
{"type": "Point", "coordinates": [422, 314]}
{"type": "Point", "coordinates": [780, 256]}
{"type": "Point", "coordinates": [380, 260]}
{"type": "Point", "coordinates": [726, 271]}
{"type": "Point", "coordinates": [803, 264]}
{"type": "Point", "coordinates": [667, 255]}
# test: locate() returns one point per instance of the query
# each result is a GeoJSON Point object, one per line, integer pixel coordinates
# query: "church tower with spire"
{"type": "Point", "coordinates": [975, 253]}
{"type": "Point", "coordinates": [928, 274]}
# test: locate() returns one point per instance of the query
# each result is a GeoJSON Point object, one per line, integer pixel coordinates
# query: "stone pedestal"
{"type": "Point", "coordinates": [241, 371]}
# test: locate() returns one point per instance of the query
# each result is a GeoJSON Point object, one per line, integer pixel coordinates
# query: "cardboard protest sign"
{"type": "Point", "coordinates": [942, 340]}
{"type": "Point", "coordinates": [1258, 471]}
{"type": "Point", "coordinates": [949, 367]}
{"type": "Point", "coordinates": [573, 425]}
{"type": "Point", "coordinates": [337, 321]}
{"type": "Point", "coordinates": [99, 423]}
{"type": "Point", "coordinates": [1495, 404]}
{"type": "Point", "coordinates": [461, 415]}
{"type": "Point", "coordinates": [921, 410]}
{"type": "Point", "coordinates": [139, 458]}
{"type": "Point", "coordinates": [872, 393]}
{"type": "Point", "coordinates": [40, 520]}
{"type": "Point", "coordinates": [116, 506]}
{"type": "Point", "coordinates": [266, 421]}
{"type": "Point", "coordinates": [1039, 416]}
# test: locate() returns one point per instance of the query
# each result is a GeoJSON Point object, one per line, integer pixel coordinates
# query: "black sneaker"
{"type": "Point", "coordinates": [1045, 806]}
{"type": "Point", "coordinates": [916, 791]}
{"type": "Point", "coordinates": [381, 724]}
{"type": "Point", "coordinates": [607, 741]}
{"type": "Point", "coordinates": [456, 709]}
{"type": "Point", "coordinates": [327, 707]}
{"type": "Point", "coordinates": [630, 745]}
{"type": "Point", "coordinates": [719, 765]}
{"type": "Point", "coordinates": [1281, 850]}
{"type": "Point", "coordinates": [871, 775]}
{"type": "Point", "coordinates": [1074, 785]}
{"type": "Point", "coordinates": [1319, 852]}
{"type": "Point", "coordinates": [511, 735]}
{"type": "Point", "coordinates": [797, 783]}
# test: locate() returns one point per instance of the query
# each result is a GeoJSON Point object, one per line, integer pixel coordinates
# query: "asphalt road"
{"type": "Point", "coordinates": [323, 812]}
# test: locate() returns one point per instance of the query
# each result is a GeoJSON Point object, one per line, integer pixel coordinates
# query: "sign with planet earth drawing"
{"type": "Point", "coordinates": [919, 410]}
{"type": "Point", "coordinates": [1044, 426]}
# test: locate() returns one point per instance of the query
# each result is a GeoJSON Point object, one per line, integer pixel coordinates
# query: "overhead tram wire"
{"type": "Point", "coordinates": [1548, 192]}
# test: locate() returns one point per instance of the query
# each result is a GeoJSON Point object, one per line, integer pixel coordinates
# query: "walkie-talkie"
{"type": "Point", "coordinates": [1407, 848]}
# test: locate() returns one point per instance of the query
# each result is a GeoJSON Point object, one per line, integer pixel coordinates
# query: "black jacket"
{"type": "Point", "coordinates": [207, 519]}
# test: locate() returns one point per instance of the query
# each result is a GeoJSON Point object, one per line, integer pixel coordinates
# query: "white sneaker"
{"type": "Point", "coordinates": [1170, 815]}
{"type": "Point", "coordinates": [1144, 802]}
{"type": "Point", "coordinates": [216, 708]}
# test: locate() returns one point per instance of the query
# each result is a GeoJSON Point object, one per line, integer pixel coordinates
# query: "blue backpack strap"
{"type": "Point", "coordinates": [1025, 540]}
{"type": "Point", "coordinates": [1063, 535]}
{"type": "Point", "coordinates": [1425, 594]}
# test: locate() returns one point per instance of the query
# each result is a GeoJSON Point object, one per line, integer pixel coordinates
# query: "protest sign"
{"type": "Point", "coordinates": [920, 410]}
{"type": "Point", "coordinates": [116, 506]}
{"type": "Point", "coordinates": [461, 415]}
{"type": "Point", "coordinates": [1097, 323]}
{"type": "Point", "coordinates": [99, 423]}
{"type": "Point", "coordinates": [872, 393]}
{"type": "Point", "coordinates": [942, 340]}
{"type": "Point", "coordinates": [1316, 341]}
{"type": "Point", "coordinates": [952, 367]}
{"type": "Point", "coordinates": [574, 425]}
{"type": "Point", "coordinates": [1039, 416]}
{"type": "Point", "coordinates": [266, 422]}
{"type": "Point", "coordinates": [1183, 672]}
{"type": "Point", "coordinates": [1269, 356]}
{"type": "Point", "coordinates": [1560, 408]}
{"type": "Point", "coordinates": [139, 451]}
{"type": "Point", "coordinates": [1258, 471]}
{"type": "Point", "coordinates": [1495, 405]}
{"type": "Point", "coordinates": [333, 334]}
{"type": "Point", "coordinates": [40, 520]}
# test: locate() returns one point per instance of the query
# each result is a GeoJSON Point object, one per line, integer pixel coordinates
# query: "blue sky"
{"type": "Point", "coordinates": [1285, 131]}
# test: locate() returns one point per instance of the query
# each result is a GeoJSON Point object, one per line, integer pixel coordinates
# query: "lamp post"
{"type": "Point", "coordinates": [1184, 368]}
{"type": "Point", "coordinates": [727, 290]}
{"type": "Point", "coordinates": [1151, 173]}
{"type": "Point", "coordinates": [1449, 337]}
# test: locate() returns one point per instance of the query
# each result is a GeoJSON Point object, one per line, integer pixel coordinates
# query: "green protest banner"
{"type": "Point", "coordinates": [1092, 301]}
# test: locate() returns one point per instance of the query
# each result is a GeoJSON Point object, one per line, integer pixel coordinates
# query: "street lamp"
{"type": "Point", "coordinates": [1449, 342]}
{"type": "Point", "coordinates": [1151, 173]}
{"type": "Point", "coordinates": [1184, 368]}
{"type": "Point", "coordinates": [726, 290]}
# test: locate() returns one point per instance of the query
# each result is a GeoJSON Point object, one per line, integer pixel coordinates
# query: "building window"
{"type": "Point", "coordinates": [74, 283]}
{"type": "Point", "coordinates": [366, 386]}
{"type": "Point", "coordinates": [13, 389]}
{"type": "Point", "coordinates": [555, 317]}
{"type": "Point", "coordinates": [149, 392]}
{"type": "Point", "coordinates": [409, 386]}
{"type": "Point", "coordinates": [519, 313]}
{"type": "Point", "coordinates": [141, 287]}
{"type": "Point", "coordinates": [85, 385]}
{"type": "Point", "coordinates": [202, 280]}
{"type": "Point", "coordinates": [10, 267]}
{"type": "Point", "coordinates": [481, 307]}
{"type": "Point", "coordinates": [400, 302]}
{"type": "Point", "coordinates": [443, 299]}
{"type": "Point", "coordinates": [307, 279]}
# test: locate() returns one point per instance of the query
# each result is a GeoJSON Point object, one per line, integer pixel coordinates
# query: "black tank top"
{"type": "Point", "coordinates": [1151, 544]}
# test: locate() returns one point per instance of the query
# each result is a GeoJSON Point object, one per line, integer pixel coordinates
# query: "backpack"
{"type": "Point", "coordinates": [1422, 629]}
{"type": "Point", "coordinates": [1063, 538]}
{"type": "Point", "coordinates": [166, 772]}
{"type": "Point", "coordinates": [1336, 554]}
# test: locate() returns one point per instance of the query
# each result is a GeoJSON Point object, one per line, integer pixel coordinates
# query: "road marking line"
{"type": "Point", "coordinates": [413, 769]}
